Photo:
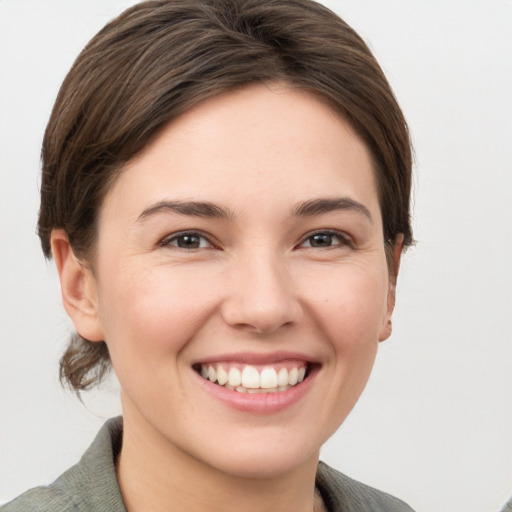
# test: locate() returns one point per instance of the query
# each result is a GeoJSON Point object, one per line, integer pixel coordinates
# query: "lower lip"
{"type": "Point", "coordinates": [260, 403]}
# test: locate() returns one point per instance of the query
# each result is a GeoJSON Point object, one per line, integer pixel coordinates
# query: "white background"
{"type": "Point", "coordinates": [435, 422]}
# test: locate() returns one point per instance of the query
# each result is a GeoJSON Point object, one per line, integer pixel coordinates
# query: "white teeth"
{"type": "Point", "coordinates": [251, 380]}
{"type": "Point", "coordinates": [222, 376]}
{"type": "Point", "coordinates": [250, 377]}
{"type": "Point", "coordinates": [282, 378]}
{"type": "Point", "coordinates": [268, 378]}
{"type": "Point", "coordinates": [234, 377]}
{"type": "Point", "coordinates": [293, 376]}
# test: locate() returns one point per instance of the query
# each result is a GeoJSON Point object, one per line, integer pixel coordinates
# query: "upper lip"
{"type": "Point", "coordinates": [257, 358]}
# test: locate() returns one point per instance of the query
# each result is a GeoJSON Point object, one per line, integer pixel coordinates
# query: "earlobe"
{"type": "Point", "coordinates": [386, 330]}
{"type": "Point", "coordinates": [393, 268]}
{"type": "Point", "coordinates": [78, 288]}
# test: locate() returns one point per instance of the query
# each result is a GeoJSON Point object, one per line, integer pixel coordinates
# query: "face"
{"type": "Point", "coordinates": [241, 282]}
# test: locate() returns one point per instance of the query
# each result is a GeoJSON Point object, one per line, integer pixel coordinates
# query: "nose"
{"type": "Point", "coordinates": [261, 295]}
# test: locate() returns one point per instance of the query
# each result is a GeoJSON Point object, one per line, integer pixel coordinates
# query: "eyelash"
{"type": "Point", "coordinates": [168, 241]}
{"type": "Point", "coordinates": [345, 240]}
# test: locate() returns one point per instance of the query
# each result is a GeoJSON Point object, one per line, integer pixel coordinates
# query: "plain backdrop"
{"type": "Point", "coordinates": [435, 422]}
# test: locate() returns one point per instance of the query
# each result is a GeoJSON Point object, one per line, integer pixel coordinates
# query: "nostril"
{"type": "Point", "coordinates": [261, 320]}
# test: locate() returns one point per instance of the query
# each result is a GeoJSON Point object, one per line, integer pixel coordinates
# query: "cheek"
{"type": "Point", "coordinates": [155, 309]}
{"type": "Point", "coordinates": [352, 306]}
{"type": "Point", "coordinates": [349, 314]}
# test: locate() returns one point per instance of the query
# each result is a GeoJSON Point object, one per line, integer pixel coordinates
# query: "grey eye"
{"type": "Point", "coordinates": [324, 239]}
{"type": "Point", "coordinates": [321, 240]}
{"type": "Point", "coordinates": [188, 241]}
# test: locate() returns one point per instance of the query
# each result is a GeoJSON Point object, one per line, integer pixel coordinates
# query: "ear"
{"type": "Point", "coordinates": [393, 268]}
{"type": "Point", "coordinates": [78, 288]}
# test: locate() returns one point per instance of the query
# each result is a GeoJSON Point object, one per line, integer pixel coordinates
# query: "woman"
{"type": "Point", "coordinates": [225, 193]}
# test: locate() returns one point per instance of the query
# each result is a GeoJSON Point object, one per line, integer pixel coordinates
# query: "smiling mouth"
{"type": "Point", "coordinates": [246, 378]}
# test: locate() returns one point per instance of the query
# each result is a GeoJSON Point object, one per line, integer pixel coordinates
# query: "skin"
{"type": "Point", "coordinates": [256, 284]}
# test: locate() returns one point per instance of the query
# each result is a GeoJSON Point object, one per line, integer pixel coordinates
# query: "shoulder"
{"type": "Point", "coordinates": [41, 499]}
{"type": "Point", "coordinates": [341, 493]}
{"type": "Point", "coordinates": [90, 485]}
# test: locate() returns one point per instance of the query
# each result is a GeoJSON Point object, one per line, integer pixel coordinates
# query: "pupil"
{"type": "Point", "coordinates": [321, 240]}
{"type": "Point", "coordinates": [188, 241]}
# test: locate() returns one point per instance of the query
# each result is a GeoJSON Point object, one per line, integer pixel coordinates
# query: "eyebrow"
{"type": "Point", "coordinates": [212, 210]}
{"type": "Point", "coordinates": [326, 205]}
{"type": "Point", "coordinates": [194, 208]}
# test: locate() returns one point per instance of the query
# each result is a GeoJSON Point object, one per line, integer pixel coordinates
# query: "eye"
{"type": "Point", "coordinates": [325, 239]}
{"type": "Point", "coordinates": [188, 240]}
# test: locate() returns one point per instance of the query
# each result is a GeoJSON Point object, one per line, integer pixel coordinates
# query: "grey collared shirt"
{"type": "Point", "coordinates": [91, 485]}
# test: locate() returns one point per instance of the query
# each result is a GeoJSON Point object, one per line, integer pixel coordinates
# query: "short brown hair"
{"type": "Point", "coordinates": [160, 58]}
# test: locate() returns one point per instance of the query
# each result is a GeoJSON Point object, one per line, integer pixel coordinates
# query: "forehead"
{"type": "Point", "coordinates": [247, 144]}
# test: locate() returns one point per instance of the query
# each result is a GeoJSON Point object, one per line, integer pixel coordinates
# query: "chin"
{"type": "Point", "coordinates": [265, 462]}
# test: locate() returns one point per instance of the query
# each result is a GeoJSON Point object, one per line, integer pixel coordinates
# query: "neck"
{"type": "Point", "coordinates": [155, 475]}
